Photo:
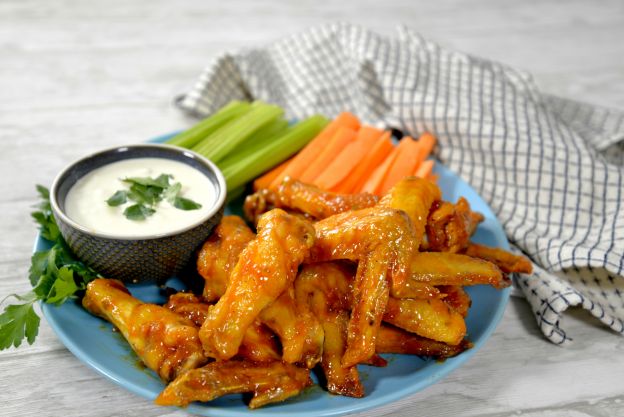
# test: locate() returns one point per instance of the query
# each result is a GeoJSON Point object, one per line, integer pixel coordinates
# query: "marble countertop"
{"type": "Point", "coordinates": [79, 76]}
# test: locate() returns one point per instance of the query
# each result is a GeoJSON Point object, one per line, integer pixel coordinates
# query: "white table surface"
{"type": "Point", "coordinates": [79, 76]}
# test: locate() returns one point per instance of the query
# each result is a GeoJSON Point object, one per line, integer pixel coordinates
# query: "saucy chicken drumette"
{"type": "Point", "coordinates": [166, 342]}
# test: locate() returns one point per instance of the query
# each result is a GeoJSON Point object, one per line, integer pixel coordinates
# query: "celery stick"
{"type": "Point", "coordinates": [216, 146]}
{"type": "Point", "coordinates": [275, 151]}
{"type": "Point", "coordinates": [258, 140]}
{"type": "Point", "coordinates": [210, 124]}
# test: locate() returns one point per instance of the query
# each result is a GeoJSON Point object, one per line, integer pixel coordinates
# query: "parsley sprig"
{"type": "Point", "coordinates": [55, 274]}
{"type": "Point", "coordinates": [146, 193]}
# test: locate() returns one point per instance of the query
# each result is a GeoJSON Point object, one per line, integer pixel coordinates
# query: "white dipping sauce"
{"type": "Point", "coordinates": [86, 200]}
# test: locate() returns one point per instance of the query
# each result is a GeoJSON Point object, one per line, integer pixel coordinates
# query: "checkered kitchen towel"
{"type": "Point", "coordinates": [551, 169]}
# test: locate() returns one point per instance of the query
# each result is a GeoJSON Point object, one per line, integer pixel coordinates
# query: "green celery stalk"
{"type": "Point", "coordinates": [258, 140]}
{"type": "Point", "coordinates": [207, 126]}
{"type": "Point", "coordinates": [272, 153]}
{"type": "Point", "coordinates": [220, 143]}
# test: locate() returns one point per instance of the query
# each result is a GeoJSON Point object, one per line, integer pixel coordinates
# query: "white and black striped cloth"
{"type": "Point", "coordinates": [551, 169]}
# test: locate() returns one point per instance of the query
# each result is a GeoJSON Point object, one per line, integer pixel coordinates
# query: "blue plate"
{"type": "Point", "coordinates": [92, 340]}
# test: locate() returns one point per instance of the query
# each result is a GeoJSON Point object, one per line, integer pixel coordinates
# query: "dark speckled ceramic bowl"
{"type": "Point", "coordinates": [153, 258]}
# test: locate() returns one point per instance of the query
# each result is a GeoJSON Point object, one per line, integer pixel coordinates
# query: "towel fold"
{"type": "Point", "coordinates": [551, 169]}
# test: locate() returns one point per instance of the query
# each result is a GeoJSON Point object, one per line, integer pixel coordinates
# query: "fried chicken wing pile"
{"type": "Point", "coordinates": [328, 279]}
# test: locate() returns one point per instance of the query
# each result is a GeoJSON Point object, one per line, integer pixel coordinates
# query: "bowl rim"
{"type": "Point", "coordinates": [217, 206]}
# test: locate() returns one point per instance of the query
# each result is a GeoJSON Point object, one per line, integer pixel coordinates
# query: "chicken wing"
{"type": "Point", "coordinates": [456, 297]}
{"type": "Point", "coordinates": [269, 383]}
{"type": "Point", "coordinates": [306, 198]}
{"type": "Point", "coordinates": [440, 268]}
{"type": "Point", "coordinates": [299, 331]}
{"type": "Point", "coordinates": [300, 334]}
{"type": "Point", "coordinates": [507, 262]}
{"type": "Point", "coordinates": [449, 226]}
{"type": "Point", "coordinates": [265, 268]}
{"type": "Point", "coordinates": [381, 240]}
{"type": "Point", "coordinates": [391, 339]}
{"type": "Point", "coordinates": [414, 196]}
{"type": "Point", "coordinates": [258, 344]}
{"type": "Point", "coordinates": [325, 289]}
{"type": "Point", "coordinates": [219, 255]}
{"type": "Point", "coordinates": [166, 342]}
{"type": "Point", "coordinates": [431, 318]}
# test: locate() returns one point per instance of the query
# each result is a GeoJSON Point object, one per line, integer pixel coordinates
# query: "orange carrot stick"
{"type": "Point", "coordinates": [341, 139]}
{"type": "Point", "coordinates": [349, 158]}
{"type": "Point", "coordinates": [433, 177]}
{"type": "Point", "coordinates": [403, 165]}
{"type": "Point", "coordinates": [308, 155]}
{"type": "Point", "coordinates": [426, 142]}
{"type": "Point", "coordinates": [424, 170]}
{"type": "Point", "coordinates": [375, 181]}
{"type": "Point", "coordinates": [375, 157]}
{"type": "Point", "coordinates": [267, 178]}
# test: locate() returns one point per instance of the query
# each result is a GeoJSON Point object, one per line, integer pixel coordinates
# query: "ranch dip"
{"type": "Point", "coordinates": [86, 200]}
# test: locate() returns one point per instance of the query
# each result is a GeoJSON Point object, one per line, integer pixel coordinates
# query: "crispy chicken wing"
{"type": "Point", "coordinates": [258, 344]}
{"type": "Point", "coordinates": [391, 339]}
{"type": "Point", "coordinates": [298, 329]}
{"type": "Point", "coordinates": [382, 242]}
{"type": "Point", "coordinates": [307, 199]}
{"type": "Point", "coordinates": [269, 383]}
{"type": "Point", "coordinates": [325, 288]}
{"type": "Point", "coordinates": [265, 268]}
{"type": "Point", "coordinates": [219, 255]}
{"type": "Point", "coordinates": [440, 268]}
{"type": "Point", "coordinates": [165, 341]}
{"type": "Point", "coordinates": [300, 333]}
{"type": "Point", "coordinates": [414, 196]}
{"type": "Point", "coordinates": [449, 226]}
{"type": "Point", "coordinates": [431, 318]}
{"type": "Point", "coordinates": [456, 297]}
{"type": "Point", "coordinates": [507, 262]}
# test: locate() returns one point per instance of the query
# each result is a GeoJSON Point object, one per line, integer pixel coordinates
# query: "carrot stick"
{"type": "Point", "coordinates": [308, 155]}
{"type": "Point", "coordinates": [424, 170]}
{"type": "Point", "coordinates": [433, 177]}
{"type": "Point", "coordinates": [341, 139]}
{"type": "Point", "coordinates": [358, 177]}
{"type": "Point", "coordinates": [267, 178]}
{"type": "Point", "coordinates": [348, 159]}
{"type": "Point", "coordinates": [426, 142]}
{"type": "Point", "coordinates": [375, 181]}
{"type": "Point", "coordinates": [403, 165]}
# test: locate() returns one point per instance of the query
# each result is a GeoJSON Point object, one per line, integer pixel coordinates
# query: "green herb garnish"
{"type": "Point", "coordinates": [55, 274]}
{"type": "Point", "coordinates": [146, 193]}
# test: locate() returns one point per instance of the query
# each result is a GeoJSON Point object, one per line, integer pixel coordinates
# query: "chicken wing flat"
{"type": "Point", "coordinates": [414, 196]}
{"type": "Point", "coordinates": [381, 240]}
{"type": "Point", "coordinates": [267, 266]}
{"type": "Point", "coordinates": [306, 198]}
{"type": "Point", "coordinates": [507, 262]}
{"type": "Point", "coordinates": [440, 268]}
{"type": "Point", "coordinates": [258, 344]}
{"type": "Point", "coordinates": [450, 226]}
{"type": "Point", "coordinates": [166, 342]}
{"type": "Point", "coordinates": [431, 318]}
{"type": "Point", "coordinates": [391, 339]}
{"type": "Point", "coordinates": [269, 383]}
{"type": "Point", "coordinates": [219, 255]}
{"type": "Point", "coordinates": [325, 289]}
{"type": "Point", "coordinates": [300, 334]}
